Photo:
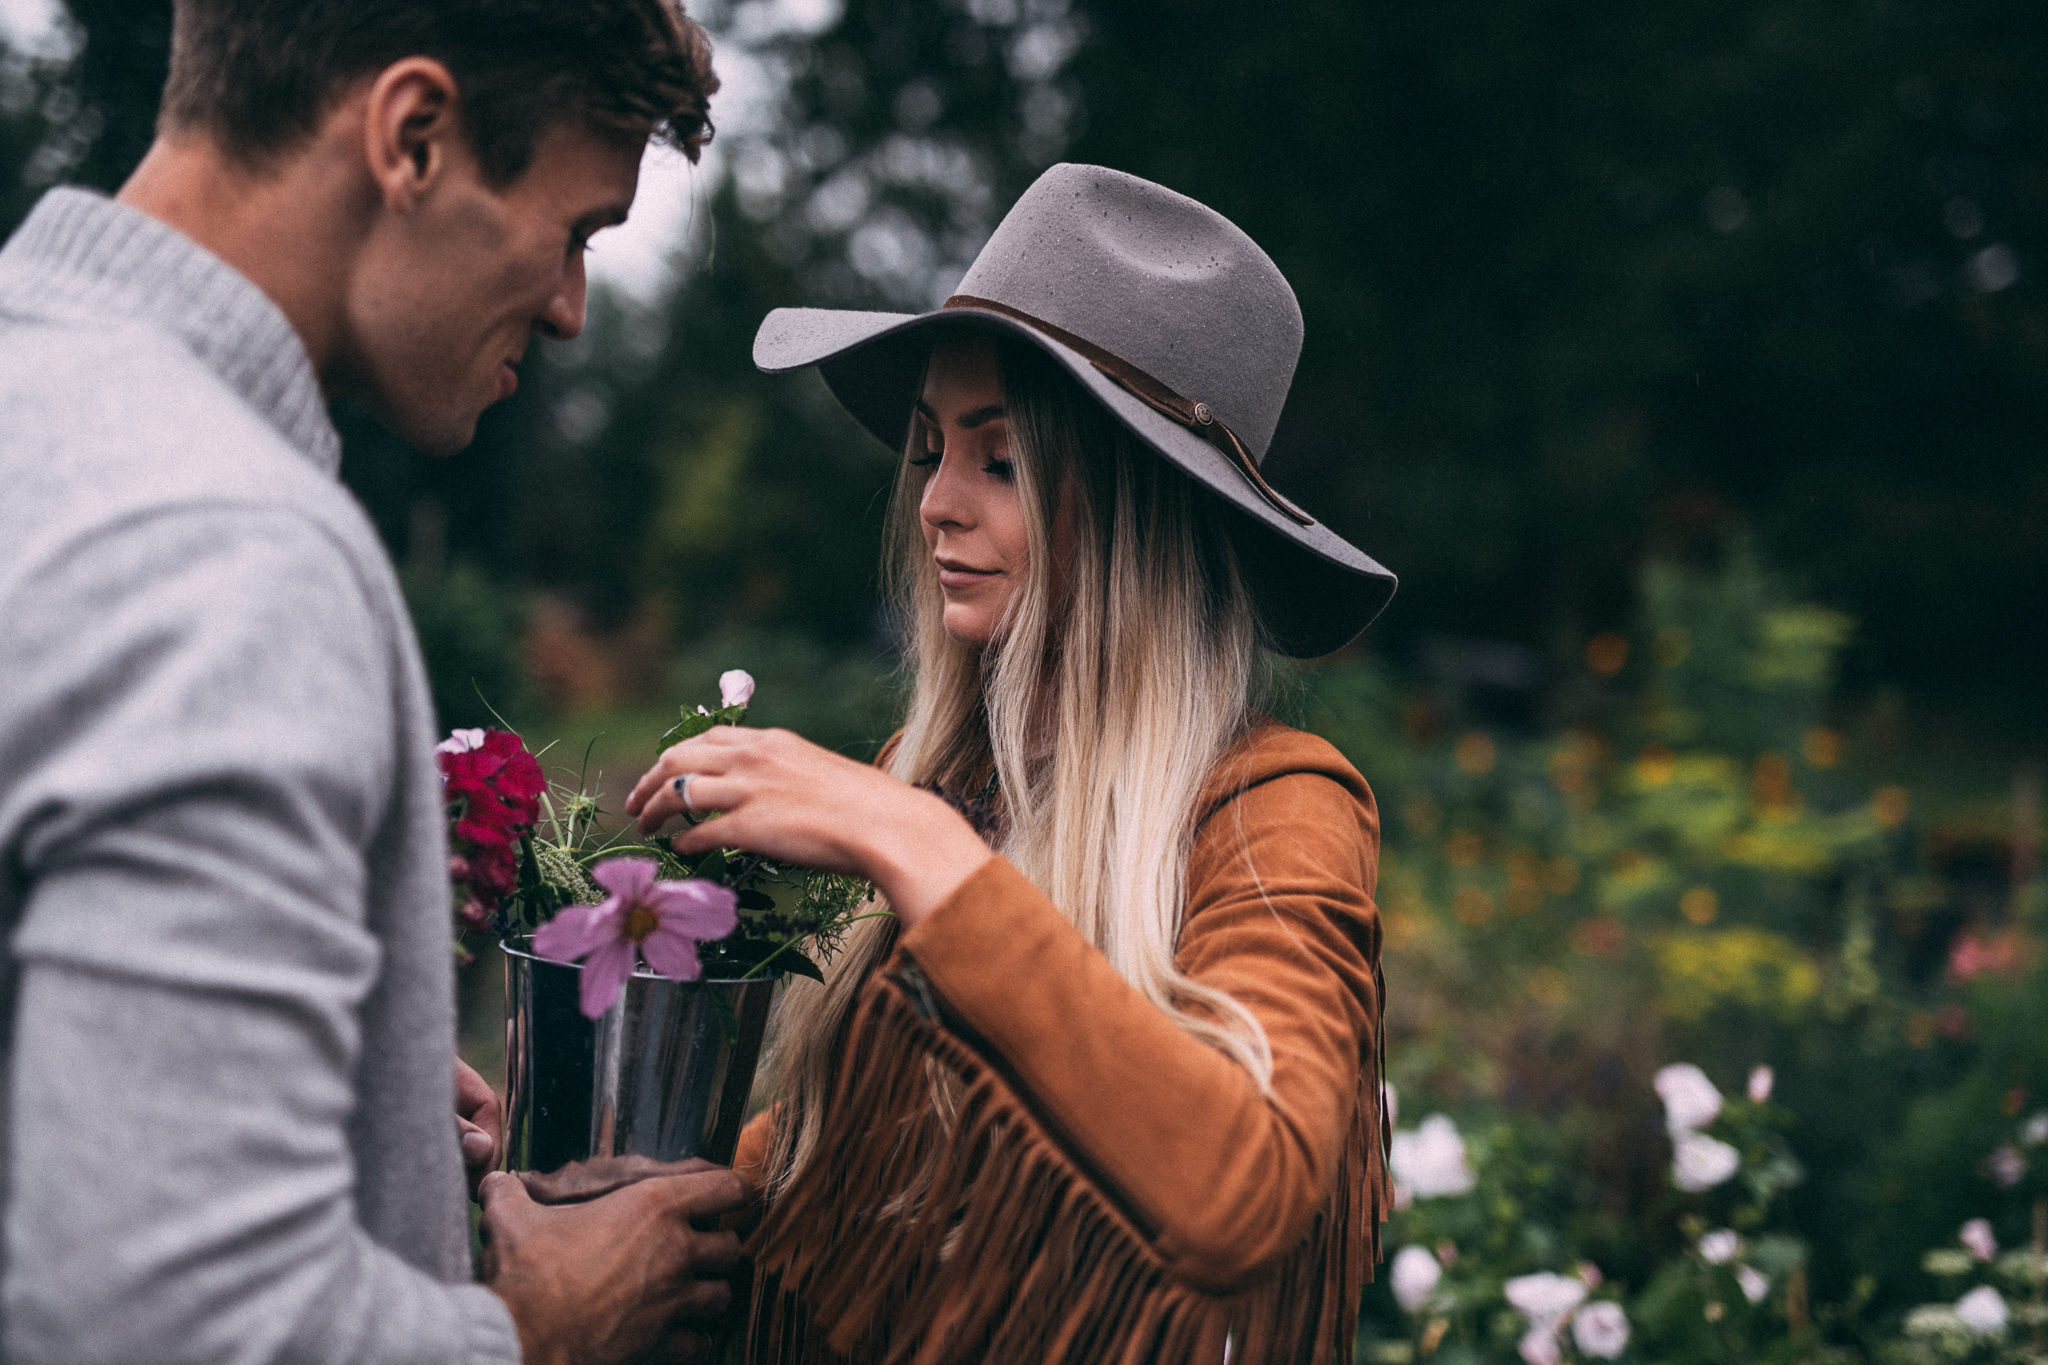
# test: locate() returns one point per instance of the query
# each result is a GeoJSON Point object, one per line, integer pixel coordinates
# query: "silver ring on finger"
{"type": "Point", "coordinates": [682, 790]}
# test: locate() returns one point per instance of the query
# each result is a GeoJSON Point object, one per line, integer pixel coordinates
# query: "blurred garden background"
{"type": "Point", "coordinates": [1690, 364]}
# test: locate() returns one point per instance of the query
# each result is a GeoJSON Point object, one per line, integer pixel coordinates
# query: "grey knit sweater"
{"type": "Point", "coordinates": [226, 1097]}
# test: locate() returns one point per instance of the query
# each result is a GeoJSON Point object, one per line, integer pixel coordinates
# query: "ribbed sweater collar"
{"type": "Point", "coordinates": [81, 256]}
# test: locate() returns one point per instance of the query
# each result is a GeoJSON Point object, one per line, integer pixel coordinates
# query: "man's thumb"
{"type": "Point", "coordinates": [501, 1193]}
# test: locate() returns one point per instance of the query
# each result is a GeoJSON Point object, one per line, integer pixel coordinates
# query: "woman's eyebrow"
{"type": "Point", "coordinates": [979, 417]}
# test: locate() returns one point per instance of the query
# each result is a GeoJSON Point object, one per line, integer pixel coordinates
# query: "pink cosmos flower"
{"type": "Point", "coordinates": [662, 922]}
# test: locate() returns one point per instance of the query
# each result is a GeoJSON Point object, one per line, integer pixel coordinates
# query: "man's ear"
{"type": "Point", "coordinates": [411, 125]}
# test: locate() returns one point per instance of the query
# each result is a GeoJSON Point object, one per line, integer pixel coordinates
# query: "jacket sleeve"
{"type": "Point", "coordinates": [194, 770]}
{"type": "Point", "coordinates": [1280, 917]}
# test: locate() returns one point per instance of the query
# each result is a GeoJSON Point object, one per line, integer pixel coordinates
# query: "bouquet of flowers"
{"type": "Point", "coordinates": [530, 856]}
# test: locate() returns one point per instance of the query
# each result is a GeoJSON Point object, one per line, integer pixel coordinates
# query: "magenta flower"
{"type": "Point", "coordinates": [662, 922]}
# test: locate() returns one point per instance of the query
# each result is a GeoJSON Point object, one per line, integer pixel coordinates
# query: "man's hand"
{"type": "Point", "coordinates": [627, 1276]}
{"type": "Point", "coordinates": [479, 1121]}
{"type": "Point", "coordinates": [584, 1180]}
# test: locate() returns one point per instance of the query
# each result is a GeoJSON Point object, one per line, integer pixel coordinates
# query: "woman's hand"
{"type": "Point", "coordinates": [783, 797]}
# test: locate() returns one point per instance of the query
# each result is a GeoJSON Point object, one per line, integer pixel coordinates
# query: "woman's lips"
{"type": "Point", "coordinates": [960, 576]}
{"type": "Point", "coordinates": [508, 382]}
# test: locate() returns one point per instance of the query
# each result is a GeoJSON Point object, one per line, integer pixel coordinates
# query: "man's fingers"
{"type": "Point", "coordinates": [502, 1196]}
{"type": "Point", "coordinates": [478, 1146]}
{"type": "Point", "coordinates": [704, 1301]}
{"type": "Point", "coordinates": [714, 1253]}
{"type": "Point", "coordinates": [706, 1194]}
{"type": "Point", "coordinates": [686, 1347]}
{"type": "Point", "coordinates": [598, 1176]}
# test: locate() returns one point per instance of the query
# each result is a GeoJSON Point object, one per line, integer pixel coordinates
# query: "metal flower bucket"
{"type": "Point", "coordinates": [665, 1073]}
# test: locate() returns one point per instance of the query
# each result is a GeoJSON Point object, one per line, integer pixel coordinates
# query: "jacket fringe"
{"type": "Point", "coordinates": [913, 1239]}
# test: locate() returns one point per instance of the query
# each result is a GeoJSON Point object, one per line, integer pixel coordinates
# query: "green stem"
{"type": "Point", "coordinates": [749, 974]}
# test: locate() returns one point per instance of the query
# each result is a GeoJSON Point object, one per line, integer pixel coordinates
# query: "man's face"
{"type": "Point", "coordinates": [447, 298]}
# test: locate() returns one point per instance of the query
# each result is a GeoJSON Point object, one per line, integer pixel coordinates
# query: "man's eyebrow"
{"type": "Point", "coordinates": [979, 417]}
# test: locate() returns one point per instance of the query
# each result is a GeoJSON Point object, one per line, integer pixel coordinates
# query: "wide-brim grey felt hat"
{"type": "Point", "coordinates": [1174, 320]}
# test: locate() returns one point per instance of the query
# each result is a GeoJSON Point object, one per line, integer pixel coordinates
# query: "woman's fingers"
{"type": "Point", "coordinates": [707, 792]}
{"type": "Point", "coordinates": [706, 752]}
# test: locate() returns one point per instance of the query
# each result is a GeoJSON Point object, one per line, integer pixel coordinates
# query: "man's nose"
{"type": "Point", "coordinates": [563, 317]}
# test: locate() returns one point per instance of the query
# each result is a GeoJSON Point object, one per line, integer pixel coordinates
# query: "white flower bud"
{"type": "Point", "coordinates": [735, 687]}
{"type": "Point", "coordinates": [1719, 1246]}
{"type": "Point", "coordinates": [1601, 1330]}
{"type": "Point", "coordinates": [1699, 1162]}
{"type": "Point", "coordinates": [1415, 1276]}
{"type": "Point", "coordinates": [1429, 1161]}
{"type": "Point", "coordinates": [1983, 1311]}
{"type": "Point", "coordinates": [1690, 1100]}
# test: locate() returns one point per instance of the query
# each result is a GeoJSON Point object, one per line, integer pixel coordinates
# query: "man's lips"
{"type": "Point", "coordinates": [508, 381]}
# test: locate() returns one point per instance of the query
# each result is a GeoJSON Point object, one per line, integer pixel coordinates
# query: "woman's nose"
{"type": "Point", "coordinates": [948, 499]}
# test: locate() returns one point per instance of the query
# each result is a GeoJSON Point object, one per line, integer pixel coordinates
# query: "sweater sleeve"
{"type": "Point", "coordinates": [193, 780]}
{"type": "Point", "coordinates": [1280, 917]}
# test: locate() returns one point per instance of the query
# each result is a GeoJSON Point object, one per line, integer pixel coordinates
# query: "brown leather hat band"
{"type": "Point", "coordinates": [1193, 415]}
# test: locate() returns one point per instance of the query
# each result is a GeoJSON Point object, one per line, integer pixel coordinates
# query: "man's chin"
{"type": "Point", "coordinates": [436, 434]}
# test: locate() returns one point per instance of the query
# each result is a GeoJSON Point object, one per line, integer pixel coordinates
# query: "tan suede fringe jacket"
{"type": "Point", "coordinates": [1107, 1188]}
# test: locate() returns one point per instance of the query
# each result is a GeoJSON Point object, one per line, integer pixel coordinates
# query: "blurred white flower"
{"type": "Point", "coordinates": [1539, 1347]}
{"type": "Point", "coordinates": [2007, 1167]}
{"type": "Point", "coordinates": [1753, 1282]}
{"type": "Point", "coordinates": [1983, 1311]}
{"type": "Point", "coordinates": [1415, 1277]}
{"type": "Point", "coordinates": [1544, 1298]}
{"type": "Point", "coordinates": [1390, 1099]}
{"type": "Point", "coordinates": [735, 687]}
{"type": "Point", "coordinates": [1976, 1237]}
{"type": "Point", "coordinates": [1590, 1275]}
{"type": "Point", "coordinates": [1719, 1246]}
{"type": "Point", "coordinates": [1601, 1330]}
{"type": "Point", "coordinates": [1761, 1079]}
{"type": "Point", "coordinates": [1699, 1162]}
{"type": "Point", "coordinates": [1430, 1160]}
{"type": "Point", "coordinates": [460, 742]}
{"type": "Point", "coordinates": [1690, 1100]}
{"type": "Point", "coordinates": [2036, 1130]}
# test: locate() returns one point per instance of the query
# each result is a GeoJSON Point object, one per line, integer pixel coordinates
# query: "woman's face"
{"type": "Point", "coordinates": [970, 511]}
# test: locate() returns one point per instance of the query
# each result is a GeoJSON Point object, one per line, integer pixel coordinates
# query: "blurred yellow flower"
{"type": "Point", "coordinates": [1752, 967]}
{"type": "Point", "coordinates": [1821, 747]}
{"type": "Point", "coordinates": [1656, 765]}
{"type": "Point", "coordinates": [1607, 653]}
{"type": "Point", "coordinates": [1475, 753]}
{"type": "Point", "coordinates": [1549, 986]}
{"type": "Point", "coordinates": [1464, 848]}
{"type": "Point", "coordinates": [1472, 906]}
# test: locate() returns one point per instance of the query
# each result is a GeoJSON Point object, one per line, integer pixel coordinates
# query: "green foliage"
{"type": "Point", "coordinates": [469, 628]}
{"type": "Point", "coordinates": [1698, 863]}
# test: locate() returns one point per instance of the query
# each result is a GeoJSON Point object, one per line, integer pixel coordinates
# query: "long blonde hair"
{"type": "Point", "coordinates": [1115, 686]}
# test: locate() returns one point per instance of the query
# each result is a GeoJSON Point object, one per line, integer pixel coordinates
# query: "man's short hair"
{"type": "Point", "coordinates": [258, 75]}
